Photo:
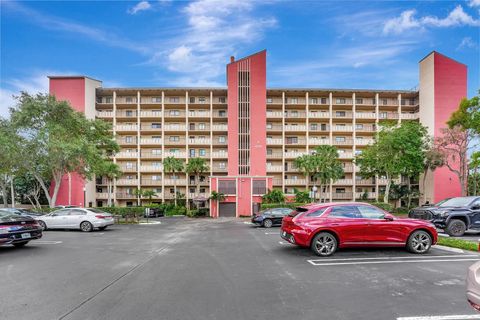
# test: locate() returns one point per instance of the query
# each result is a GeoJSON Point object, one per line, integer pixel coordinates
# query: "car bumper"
{"type": "Point", "coordinates": [15, 237]}
{"type": "Point", "coordinates": [295, 236]}
{"type": "Point", "coordinates": [257, 221]}
{"type": "Point", "coordinates": [103, 223]}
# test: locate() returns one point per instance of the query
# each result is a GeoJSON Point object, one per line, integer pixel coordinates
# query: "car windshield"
{"type": "Point", "coordinates": [6, 216]}
{"type": "Point", "coordinates": [457, 202]}
{"type": "Point", "coordinates": [297, 211]}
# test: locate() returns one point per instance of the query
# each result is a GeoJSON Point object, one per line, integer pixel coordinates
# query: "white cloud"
{"type": "Point", "coordinates": [407, 21]}
{"type": "Point", "coordinates": [466, 43]}
{"type": "Point", "coordinates": [141, 6]}
{"type": "Point", "coordinates": [215, 30]}
{"type": "Point", "coordinates": [474, 3]}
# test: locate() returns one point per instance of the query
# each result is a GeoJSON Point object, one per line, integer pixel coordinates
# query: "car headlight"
{"type": "Point", "coordinates": [4, 230]}
{"type": "Point", "coordinates": [443, 213]}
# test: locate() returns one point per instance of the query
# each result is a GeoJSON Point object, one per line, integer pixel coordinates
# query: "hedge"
{"type": "Point", "coordinates": [291, 205]}
{"type": "Point", "coordinates": [458, 243]}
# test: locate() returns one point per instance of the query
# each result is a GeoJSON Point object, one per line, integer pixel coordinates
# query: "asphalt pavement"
{"type": "Point", "coordinates": [198, 269]}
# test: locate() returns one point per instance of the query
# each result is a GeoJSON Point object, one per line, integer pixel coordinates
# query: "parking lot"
{"type": "Point", "coordinates": [223, 269]}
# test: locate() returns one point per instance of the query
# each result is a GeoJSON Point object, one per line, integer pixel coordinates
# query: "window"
{"type": "Point", "coordinates": [269, 151]}
{"type": "Point", "coordinates": [63, 212]}
{"type": "Point", "coordinates": [340, 190]}
{"type": "Point", "coordinates": [201, 126]}
{"type": "Point", "coordinates": [192, 153]}
{"type": "Point", "coordinates": [156, 178]}
{"type": "Point", "coordinates": [202, 99]}
{"type": "Point", "coordinates": [192, 99]}
{"type": "Point", "coordinates": [323, 127]}
{"type": "Point", "coordinates": [291, 100]}
{"type": "Point", "coordinates": [323, 100]}
{"type": "Point", "coordinates": [129, 99]}
{"type": "Point", "coordinates": [313, 126]}
{"type": "Point", "coordinates": [368, 212]}
{"type": "Point", "coordinates": [172, 191]}
{"type": "Point", "coordinates": [222, 113]}
{"type": "Point", "coordinates": [157, 99]}
{"type": "Point", "coordinates": [202, 190]}
{"type": "Point", "coordinates": [192, 190]}
{"type": "Point", "coordinates": [227, 186]}
{"type": "Point", "coordinates": [156, 164]}
{"type": "Point", "coordinates": [384, 102]}
{"type": "Point", "coordinates": [174, 99]}
{"type": "Point", "coordinates": [222, 139]}
{"type": "Point", "coordinates": [294, 114]}
{"type": "Point", "coordinates": [269, 100]}
{"type": "Point", "coordinates": [202, 152]}
{"type": "Point", "coordinates": [156, 125]}
{"type": "Point", "coordinates": [157, 190]}
{"type": "Point", "coordinates": [157, 151]}
{"type": "Point", "coordinates": [174, 138]}
{"type": "Point", "coordinates": [340, 100]}
{"type": "Point", "coordinates": [314, 101]}
{"type": "Point", "coordinates": [359, 101]}
{"type": "Point", "coordinates": [129, 165]}
{"type": "Point", "coordinates": [77, 212]}
{"type": "Point", "coordinates": [340, 113]}
{"type": "Point", "coordinates": [174, 113]}
{"type": "Point", "coordinates": [108, 100]}
{"type": "Point", "coordinates": [221, 99]}
{"type": "Point", "coordinates": [292, 140]}
{"type": "Point", "coordinates": [221, 165]}
{"type": "Point", "coordinates": [383, 115]}
{"type": "Point", "coordinates": [259, 187]}
{"type": "Point", "coordinates": [174, 151]}
{"type": "Point", "coordinates": [340, 139]}
{"type": "Point", "coordinates": [374, 101]}
{"type": "Point", "coordinates": [358, 126]}
{"type": "Point", "coordinates": [345, 212]}
{"type": "Point", "coordinates": [269, 125]}
{"type": "Point", "coordinates": [129, 113]}
{"type": "Point", "coordinates": [317, 213]}
{"type": "Point", "coordinates": [129, 139]}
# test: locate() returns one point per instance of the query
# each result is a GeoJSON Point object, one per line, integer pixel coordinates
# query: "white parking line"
{"type": "Point", "coordinates": [395, 258]}
{"type": "Point", "coordinates": [450, 317]}
{"type": "Point", "coordinates": [391, 261]}
{"type": "Point", "coordinates": [46, 242]}
{"type": "Point", "coordinates": [273, 233]}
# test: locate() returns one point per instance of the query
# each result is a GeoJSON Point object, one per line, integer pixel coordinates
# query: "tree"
{"type": "Point", "coordinates": [474, 164]}
{"type": "Point", "coordinates": [149, 194]}
{"type": "Point", "coordinates": [467, 116]}
{"type": "Point", "coordinates": [273, 196]}
{"type": "Point", "coordinates": [306, 166]}
{"type": "Point", "coordinates": [59, 140]}
{"type": "Point", "coordinates": [10, 159]}
{"type": "Point", "coordinates": [173, 165]}
{"type": "Point", "coordinates": [217, 196]}
{"type": "Point", "coordinates": [28, 190]}
{"type": "Point", "coordinates": [433, 160]}
{"type": "Point", "coordinates": [196, 166]}
{"type": "Point", "coordinates": [139, 194]}
{"type": "Point", "coordinates": [302, 196]}
{"type": "Point", "coordinates": [454, 143]}
{"type": "Point", "coordinates": [397, 150]}
{"type": "Point", "coordinates": [110, 171]}
{"type": "Point", "coordinates": [326, 166]}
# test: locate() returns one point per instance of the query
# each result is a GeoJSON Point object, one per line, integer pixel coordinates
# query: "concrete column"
{"type": "Point", "coordinates": [354, 176]}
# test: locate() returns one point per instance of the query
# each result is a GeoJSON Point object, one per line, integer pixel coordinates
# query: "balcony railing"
{"type": "Point", "coordinates": [410, 116]}
{"type": "Point", "coordinates": [274, 127]}
{"type": "Point", "coordinates": [388, 115]}
{"type": "Point", "coordinates": [277, 182]}
{"type": "Point", "coordinates": [342, 195]}
{"type": "Point", "coordinates": [151, 155]}
{"type": "Point", "coordinates": [295, 128]}
{"type": "Point", "coordinates": [199, 114]}
{"type": "Point", "coordinates": [274, 114]}
{"type": "Point", "coordinates": [337, 128]}
{"type": "Point", "coordinates": [102, 195]}
{"type": "Point", "coordinates": [126, 127]}
{"type": "Point", "coordinates": [301, 141]}
{"type": "Point", "coordinates": [151, 182]}
{"type": "Point", "coordinates": [127, 155]}
{"type": "Point", "coordinates": [314, 141]}
{"type": "Point", "coordinates": [345, 155]}
{"type": "Point", "coordinates": [132, 141]}
{"type": "Point", "coordinates": [220, 127]}
{"type": "Point", "coordinates": [199, 141]}
{"type": "Point", "coordinates": [360, 195]}
{"type": "Point", "coordinates": [219, 154]}
{"type": "Point", "coordinates": [295, 182]}
{"type": "Point", "coordinates": [274, 168]}
{"type": "Point", "coordinates": [127, 182]}
{"type": "Point", "coordinates": [363, 142]}
{"type": "Point", "coordinates": [124, 168]}
{"type": "Point", "coordinates": [171, 182]}
{"type": "Point", "coordinates": [121, 195]}
{"type": "Point", "coordinates": [319, 115]}
{"type": "Point", "coordinates": [365, 128]}
{"type": "Point", "coordinates": [343, 115]}
{"type": "Point", "coordinates": [295, 114]}
{"type": "Point", "coordinates": [294, 154]}
{"type": "Point", "coordinates": [151, 127]}
{"type": "Point", "coordinates": [342, 142]}
{"type": "Point", "coordinates": [343, 182]}
{"type": "Point", "coordinates": [219, 169]}
{"type": "Point", "coordinates": [174, 113]}
{"type": "Point", "coordinates": [275, 155]}
{"type": "Point", "coordinates": [175, 127]}
{"type": "Point", "coordinates": [179, 141]}
{"type": "Point", "coordinates": [274, 141]}
{"type": "Point", "coordinates": [365, 115]}
{"type": "Point", "coordinates": [150, 141]}
{"type": "Point", "coordinates": [149, 168]}
{"type": "Point", "coordinates": [151, 114]}
{"type": "Point", "coordinates": [178, 154]}
{"type": "Point", "coordinates": [360, 182]}
{"type": "Point", "coordinates": [104, 114]}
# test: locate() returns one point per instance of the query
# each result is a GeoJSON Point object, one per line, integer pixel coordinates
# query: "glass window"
{"type": "Point", "coordinates": [78, 212]}
{"type": "Point", "coordinates": [458, 202]}
{"type": "Point", "coordinates": [314, 101]}
{"type": "Point", "coordinates": [345, 212]}
{"type": "Point", "coordinates": [269, 100]}
{"type": "Point", "coordinates": [63, 212]}
{"type": "Point", "coordinates": [317, 213]}
{"type": "Point", "coordinates": [323, 100]}
{"type": "Point", "coordinates": [202, 152]}
{"type": "Point", "coordinates": [371, 212]}
{"type": "Point", "coordinates": [221, 99]}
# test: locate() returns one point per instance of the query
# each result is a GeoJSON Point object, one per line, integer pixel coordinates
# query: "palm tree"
{"type": "Point", "coordinates": [304, 164]}
{"type": "Point", "coordinates": [327, 167]}
{"type": "Point", "coordinates": [196, 166]}
{"type": "Point", "coordinates": [217, 196]}
{"type": "Point", "coordinates": [173, 165]}
{"type": "Point", "coordinates": [433, 160]}
{"type": "Point", "coordinates": [474, 164]}
{"type": "Point", "coordinates": [111, 171]}
{"type": "Point", "coordinates": [138, 193]}
{"type": "Point", "coordinates": [149, 194]}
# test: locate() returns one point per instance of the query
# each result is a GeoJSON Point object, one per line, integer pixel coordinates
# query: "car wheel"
{"type": "Point", "coordinates": [267, 223]}
{"type": "Point", "coordinates": [456, 228]}
{"type": "Point", "coordinates": [419, 242]}
{"type": "Point", "coordinates": [20, 244]}
{"type": "Point", "coordinates": [42, 224]}
{"type": "Point", "coordinates": [86, 226]}
{"type": "Point", "coordinates": [102, 228]}
{"type": "Point", "coordinates": [324, 244]}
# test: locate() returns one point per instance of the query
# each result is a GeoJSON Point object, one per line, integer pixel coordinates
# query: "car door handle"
{"type": "Point", "coordinates": [335, 224]}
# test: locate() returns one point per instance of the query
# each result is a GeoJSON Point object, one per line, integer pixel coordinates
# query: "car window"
{"type": "Point", "coordinates": [475, 203]}
{"type": "Point", "coordinates": [345, 212]}
{"type": "Point", "coordinates": [317, 213]}
{"type": "Point", "coordinates": [63, 212]}
{"type": "Point", "coordinates": [286, 211]}
{"type": "Point", "coordinates": [77, 212]}
{"type": "Point", "coordinates": [371, 212]}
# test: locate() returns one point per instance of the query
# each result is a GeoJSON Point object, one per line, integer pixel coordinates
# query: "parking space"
{"type": "Point", "coordinates": [223, 269]}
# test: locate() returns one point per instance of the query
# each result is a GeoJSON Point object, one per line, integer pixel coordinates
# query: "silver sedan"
{"type": "Point", "coordinates": [473, 285]}
{"type": "Point", "coordinates": [85, 219]}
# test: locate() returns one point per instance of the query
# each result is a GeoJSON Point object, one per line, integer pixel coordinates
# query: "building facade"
{"type": "Point", "coordinates": [250, 135]}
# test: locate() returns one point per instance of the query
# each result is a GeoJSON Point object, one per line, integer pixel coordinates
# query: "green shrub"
{"type": "Point", "coordinates": [273, 196]}
{"type": "Point", "coordinates": [302, 196]}
{"type": "Point", "coordinates": [385, 206]}
{"type": "Point", "coordinates": [176, 211]}
{"type": "Point", "coordinates": [291, 205]}
{"type": "Point", "coordinates": [458, 243]}
{"type": "Point", "coordinates": [401, 210]}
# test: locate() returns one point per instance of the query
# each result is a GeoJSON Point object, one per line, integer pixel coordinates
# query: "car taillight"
{"type": "Point", "coordinates": [474, 305]}
{"type": "Point", "coordinates": [98, 216]}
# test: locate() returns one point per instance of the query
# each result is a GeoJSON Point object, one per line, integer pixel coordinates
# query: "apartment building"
{"type": "Point", "coordinates": [250, 134]}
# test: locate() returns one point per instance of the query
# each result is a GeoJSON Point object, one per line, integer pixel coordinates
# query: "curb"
{"type": "Point", "coordinates": [456, 250]}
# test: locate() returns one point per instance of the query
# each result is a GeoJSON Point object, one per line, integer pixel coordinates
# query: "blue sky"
{"type": "Point", "coordinates": [340, 44]}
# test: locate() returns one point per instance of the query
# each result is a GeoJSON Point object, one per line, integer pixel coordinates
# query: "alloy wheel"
{"type": "Point", "coordinates": [421, 242]}
{"type": "Point", "coordinates": [325, 244]}
{"type": "Point", "coordinates": [86, 226]}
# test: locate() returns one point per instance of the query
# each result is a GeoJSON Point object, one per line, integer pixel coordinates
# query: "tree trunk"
{"type": "Point", "coordinates": [423, 186]}
{"type": "Point", "coordinates": [475, 181]}
{"type": "Point", "coordinates": [109, 190]}
{"type": "Point", "coordinates": [409, 201]}
{"type": "Point", "coordinates": [387, 190]}
{"type": "Point", "coordinates": [175, 191]}
{"type": "Point", "coordinates": [58, 180]}
{"type": "Point", "coordinates": [12, 192]}
{"type": "Point", "coordinates": [5, 197]}
{"type": "Point", "coordinates": [45, 190]}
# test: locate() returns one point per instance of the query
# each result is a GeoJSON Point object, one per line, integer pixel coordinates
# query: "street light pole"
{"type": "Point", "coordinates": [84, 197]}
{"type": "Point", "coordinates": [314, 190]}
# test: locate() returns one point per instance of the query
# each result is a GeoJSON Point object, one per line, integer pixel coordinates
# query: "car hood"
{"type": "Point", "coordinates": [439, 209]}
{"type": "Point", "coordinates": [15, 219]}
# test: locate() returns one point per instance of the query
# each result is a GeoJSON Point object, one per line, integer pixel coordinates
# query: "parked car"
{"type": "Point", "coordinates": [18, 230]}
{"type": "Point", "coordinates": [85, 219]}
{"type": "Point", "coordinates": [270, 217]}
{"type": "Point", "coordinates": [153, 213]}
{"type": "Point", "coordinates": [23, 212]}
{"type": "Point", "coordinates": [455, 215]}
{"type": "Point", "coordinates": [473, 285]}
{"type": "Point", "coordinates": [329, 226]}
{"type": "Point", "coordinates": [65, 207]}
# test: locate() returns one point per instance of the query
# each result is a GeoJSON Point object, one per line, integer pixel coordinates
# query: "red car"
{"type": "Point", "coordinates": [329, 226]}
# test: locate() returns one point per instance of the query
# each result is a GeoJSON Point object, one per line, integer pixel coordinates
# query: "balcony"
{"type": "Point", "coordinates": [152, 141]}
{"type": "Point", "coordinates": [202, 141]}
{"type": "Point", "coordinates": [177, 154]}
{"type": "Point", "coordinates": [294, 154]}
{"type": "Point", "coordinates": [198, 100]}
{"type": "Point", "coordinates": [410, 116]}
{"type": "Point", "coordinates": [219, 154]}
{"type": "Point", "coordinates": [274, 141]}
{"type": "Point", "coordinates": [126, 127]}
{"type": "Point", "coordinates": [104, 114]}
{"type": "Point", "coordinates": [151, 182]}
{"type": "Point", "coordinates": [126, 155]}
{"type": "Point", "coordinates": [274, 127]}
{"type": "Point", "coordinates": [365, 128]}
{"type": "Point", "coordinates": [365, 115]}
{"type": "Point", "coordinates": [337, 128]}
{"type": "Point", "coordinates": [126, 100]}
{"type": "Point", "coordinates": [219, 127]}
{"type": "Point", "coordinates": [151, 127]}
{"type": "Point", "coordinates": [274, 100]}
{"type": "Point", "coordinates": [171, 182]}
{"type": "Point", "coordinates": [151, 100]}
{"type": "Point", "coordinates": [342, 142]}
{"type": "Point", "coordinates": [175, 100]}
{"type": "Point", "coordinates": [198, 127]}
{"type": "Point", "coordinates": [126, 114]}
{"type": "Point", "coordinates": [151, 114]}
{"type": "Point", "coordinates": [122, 195]}
{"type": "Point", "coordinates": [127, 182]}
{"type": "Point", "coordinates": [199, 114]}
{"type": "Point", "coordinates": [370, 195]}
{"type": "Point", "coordinates": [342, 195]}
{"type": "Point", "coordinates": [298, 141]}
{"type": "Point", "coordinates": [317, 142]}
{"type": "Point", "coordinates": [219, 114]}
{"type": "Point", "coordinates": [295, 100]}
{"type": "Point", "coordinates": [123, 141]}
{"type": "Point", "coordinates": [148, 168]}
{"type": "Point", "coordinates": [175, 127]}
{"type": "Point", "coordinates": [275, 155]}
{"type": "Point", "coordinates": [382, 181]}
{"type": "Point", "coordinates": [274, 168]}
{"type": "Point", "coordinates": [125, 168]}
{"type": "Point", "coordinates": [295, 128]}
{"type": "Point", "coordinates": [217, 141]}
{"type": "Point", "coordinates": [345, 155]}
{"type": "Point", "coordinates": [348, 167]}
{"type": "Point", "coordinates": [174, 114]}
{"type": "Point", "coordinates": [343, 115]}
{"type": "Point", "coordinates": [103, 195]}
{"type": "Point", "coordinates": [274, 114]}
{"type": "Point", "coordinates": [198, 196]}
{"type": "Point", "coordinates": [363, 142]}
{"type": "Point", "coordinates": [219, 169]}
{"type": "Point", "coordinates": [388, 115]}
{"type": "Point", "coordinates": [295, 182]}
{"type": "Point", "coordinates": [295, 114]}
{"type": "Point", "coordinates": [151, 155]}
{"type": "Point", "coordinates": [343, 182]}
{"type": "Point", "coordinates": [277, 182]}
{"type": "Point", "coordinates": [362, 182]}
{"type": "Point", "coordinates": [319, 115]}
{"type": "Point", "coordinates": [178, 141]}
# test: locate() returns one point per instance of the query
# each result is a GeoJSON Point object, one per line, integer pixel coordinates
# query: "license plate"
{"type": "Point", "coordinates": [26, 235]}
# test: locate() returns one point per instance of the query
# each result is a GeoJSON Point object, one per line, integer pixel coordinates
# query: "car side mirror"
{"type": "Point", "coordinates": [53, 215]}
{"type": "Point", "coordinates": [477, 207]}
{"type": "Point", "coordinates": [388, 217]}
